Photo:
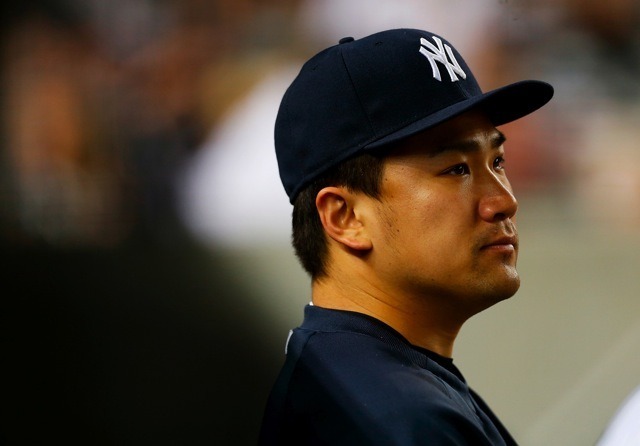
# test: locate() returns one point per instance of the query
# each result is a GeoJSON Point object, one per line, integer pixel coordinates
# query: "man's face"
{"type": "Point", "coordinates": [445, 219]}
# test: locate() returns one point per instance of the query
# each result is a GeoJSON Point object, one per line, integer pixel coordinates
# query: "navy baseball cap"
{"type": "Point", "coordinates": [363, 94]}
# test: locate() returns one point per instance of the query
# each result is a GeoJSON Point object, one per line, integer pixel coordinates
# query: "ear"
{"type": "Point", "coordinates": [340, 217]}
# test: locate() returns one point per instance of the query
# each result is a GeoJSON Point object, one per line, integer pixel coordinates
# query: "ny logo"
{"type": "Point", "coordinates": [438, 53]}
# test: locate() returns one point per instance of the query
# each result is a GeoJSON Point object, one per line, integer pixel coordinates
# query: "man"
{"type": "Point", "coordinates": [404, 218]}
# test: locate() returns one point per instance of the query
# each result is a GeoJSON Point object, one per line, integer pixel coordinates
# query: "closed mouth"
{"type": "Point", "coordinates": [511, 241]}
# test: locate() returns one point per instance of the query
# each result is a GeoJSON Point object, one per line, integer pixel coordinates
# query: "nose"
{"type": "Point", "coordinates": [497, 201]}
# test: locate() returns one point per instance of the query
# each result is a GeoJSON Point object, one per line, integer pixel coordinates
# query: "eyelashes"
{"type": "Point", "coordinates": [464, 169]}
{"type": "Point", "coordinates": [458, 169]}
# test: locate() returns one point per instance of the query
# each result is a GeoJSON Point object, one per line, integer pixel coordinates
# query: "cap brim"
{"type": "Point", "coordinates": [503, 105]}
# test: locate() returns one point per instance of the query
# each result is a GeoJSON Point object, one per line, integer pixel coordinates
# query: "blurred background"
{"type": "Point", "coordinates": [148, 284]}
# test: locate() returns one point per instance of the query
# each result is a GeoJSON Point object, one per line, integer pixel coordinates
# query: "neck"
{"type": "Point", "coordinates": [418, 319]}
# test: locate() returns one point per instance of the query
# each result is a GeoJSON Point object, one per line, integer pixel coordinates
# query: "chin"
{"type": "Point", "coordinates": [506, 289]}
{"type": "Point", "coordinates": [480, 296]}
{"type": "Point", "coordinates": [507, 293]}
{"type": "Point", "coordinates": [500, 289]}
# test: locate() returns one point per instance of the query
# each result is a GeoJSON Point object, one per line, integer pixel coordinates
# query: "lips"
{"type": "Point", "coordinates": [502, 242]}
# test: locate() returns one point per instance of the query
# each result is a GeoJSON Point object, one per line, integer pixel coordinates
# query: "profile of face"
{"type": "Point", "coordinates": [443, 227]}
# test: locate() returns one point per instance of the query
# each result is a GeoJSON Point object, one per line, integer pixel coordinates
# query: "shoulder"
{"type": "Point", "coordinates": [362, 362]}
{"type": "Point", "coordinates": [354, 385]}
{"type": "Point", "coordinates": [348, 387]}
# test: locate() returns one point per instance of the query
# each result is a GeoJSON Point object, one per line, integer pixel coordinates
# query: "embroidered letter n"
{"type": "Point", "coordinates": [439, 54]}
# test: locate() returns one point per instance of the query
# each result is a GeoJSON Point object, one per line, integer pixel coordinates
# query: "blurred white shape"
{"type": "Point", "coordinates": [230, 191]}
{"type": "Point", "coordinates": [624, 429]}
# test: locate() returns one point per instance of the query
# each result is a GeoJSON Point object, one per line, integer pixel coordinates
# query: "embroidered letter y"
{"type": "Point", "coordinates": [440, 54]}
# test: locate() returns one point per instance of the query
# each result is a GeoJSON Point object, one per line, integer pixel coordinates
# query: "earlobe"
{"type": "Point", "coordinates": [337, 208]}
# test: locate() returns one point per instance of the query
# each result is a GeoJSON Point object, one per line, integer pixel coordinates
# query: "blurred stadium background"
{"type": "Point", "coordinates": [147, 280]}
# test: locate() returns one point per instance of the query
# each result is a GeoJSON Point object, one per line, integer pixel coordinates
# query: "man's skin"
{"type": "Point", "coordinates": [440, 243]}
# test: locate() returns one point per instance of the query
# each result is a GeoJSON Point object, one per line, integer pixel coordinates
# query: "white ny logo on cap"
{"type": "Point", "coordinates": [438, 54]}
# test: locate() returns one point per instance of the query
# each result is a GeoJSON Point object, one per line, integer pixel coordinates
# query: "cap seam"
{"type": "Point", "coordinates": [355, 89]}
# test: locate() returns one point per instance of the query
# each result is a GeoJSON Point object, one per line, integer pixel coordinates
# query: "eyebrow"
{"type": "Point", "coordinates": [496, 139]}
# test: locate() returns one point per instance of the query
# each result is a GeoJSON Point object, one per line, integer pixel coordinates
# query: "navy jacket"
{"type": "Point", "coordinates": [349, 379]}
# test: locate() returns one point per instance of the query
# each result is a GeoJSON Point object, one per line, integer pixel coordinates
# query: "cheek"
{"type": "Point", "coordinates": [436, 211]}
{"type": "Point", "coordinates": [422, 219]}
{"type": "Point", "coordinates": [424, 213]}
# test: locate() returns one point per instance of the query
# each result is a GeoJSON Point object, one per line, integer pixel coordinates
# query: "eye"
{"type": "Point", "coordinates": [458, 169]}
{"type": "Point", "coordinates": [498, 163]}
